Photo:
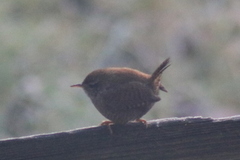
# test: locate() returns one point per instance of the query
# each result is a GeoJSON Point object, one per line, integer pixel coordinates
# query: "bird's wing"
{"type": "Point", "coordinates": [130, 95]}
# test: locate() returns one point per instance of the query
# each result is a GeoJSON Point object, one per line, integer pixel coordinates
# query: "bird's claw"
{"type": "Point", "coordinates": [108, 124]}
{"type": "Point", "coordinates": [143, 122]}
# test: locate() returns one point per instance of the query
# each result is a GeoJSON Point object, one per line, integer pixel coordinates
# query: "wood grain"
{"type": "Point", "coordinates": [167, 139]}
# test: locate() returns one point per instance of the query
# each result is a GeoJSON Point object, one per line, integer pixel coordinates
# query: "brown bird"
{"type": "Point", "coordinates": [123, 94]}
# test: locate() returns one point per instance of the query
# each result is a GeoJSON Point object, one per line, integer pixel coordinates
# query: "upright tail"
{"type": "Point", "coordinates": [158, 72]}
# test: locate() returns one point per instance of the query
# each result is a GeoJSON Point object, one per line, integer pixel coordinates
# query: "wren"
{"type": "Point", "coordinates": [123, 94]}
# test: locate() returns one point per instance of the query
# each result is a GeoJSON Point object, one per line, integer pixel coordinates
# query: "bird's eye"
{"type": "Point", "coordinates": [93, 84]}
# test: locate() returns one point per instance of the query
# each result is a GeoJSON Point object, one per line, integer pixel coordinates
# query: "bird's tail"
{"type": "Point", "coordinates": [158, 72]}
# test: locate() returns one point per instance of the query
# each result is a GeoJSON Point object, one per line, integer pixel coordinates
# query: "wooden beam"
{"type": "Point", "coordinates": [167, 139]}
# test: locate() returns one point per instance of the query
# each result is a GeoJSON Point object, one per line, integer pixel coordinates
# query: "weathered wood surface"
{"type": "Point", "coordinates": [167, 139]}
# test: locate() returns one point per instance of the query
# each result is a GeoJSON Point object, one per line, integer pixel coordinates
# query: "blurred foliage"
{"type": "Point", "coordinates": [48, 45]}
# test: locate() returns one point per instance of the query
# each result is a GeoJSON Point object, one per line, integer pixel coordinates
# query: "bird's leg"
{"type": "Point", "coordinates": [108, 124]}
{"type": "Point", "coordinates": [142, 121]}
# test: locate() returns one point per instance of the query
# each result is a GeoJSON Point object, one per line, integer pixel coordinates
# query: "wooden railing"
{"type": "Point", "coordinates": [190, 138]}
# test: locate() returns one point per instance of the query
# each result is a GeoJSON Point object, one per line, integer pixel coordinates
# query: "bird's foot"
{"type": "Point", "coordinates": [143, 122]}
{"type": "Point", "coordinates": [108, 124]}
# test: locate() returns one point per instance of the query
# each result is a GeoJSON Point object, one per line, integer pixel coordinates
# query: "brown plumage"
{"type": "Point", "coordinates": [123, 94]}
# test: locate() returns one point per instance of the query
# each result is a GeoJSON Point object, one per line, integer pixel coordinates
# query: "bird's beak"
{"type": "Point", "coordinates": [76, 85]}
{"type": "Point", "coordinates": [161, 87]}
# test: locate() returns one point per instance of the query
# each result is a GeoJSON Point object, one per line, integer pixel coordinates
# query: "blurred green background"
{"type": "Point", "coordinates": [46, 46]}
